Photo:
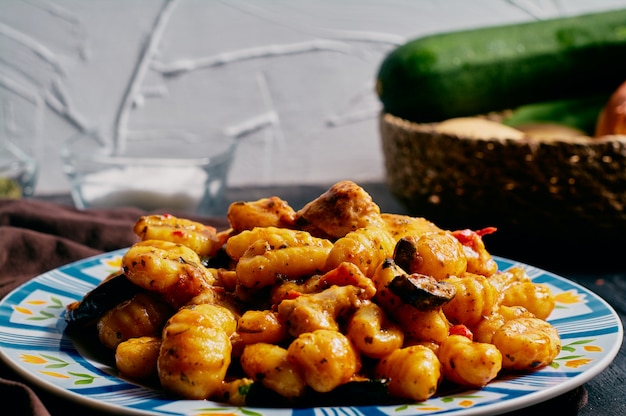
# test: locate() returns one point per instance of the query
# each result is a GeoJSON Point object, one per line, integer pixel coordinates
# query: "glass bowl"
{"type": "Point", "coordinates": [177, 171]}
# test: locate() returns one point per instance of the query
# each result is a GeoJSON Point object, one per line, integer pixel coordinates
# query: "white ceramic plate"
{"type": "Point", "coordinates": [33, 342]}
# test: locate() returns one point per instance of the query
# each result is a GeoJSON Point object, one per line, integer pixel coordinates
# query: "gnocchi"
{"type": "Point", "coordinates": [469, 363]}
{"type": "Point", "coordinates": [527, 343]}
{"type": "Point", "coordinates": [270, 365]}
{"type": "Point", "coordinates": [142, 315]}
{"type": "Point", "coordinates": [265, 212]}
{"type": "Point", "coordinates": [326, 357]}
{"type": "Point", "coordinates": [195, 350]}
{"type": "Point", "coordinates": [414, 372]}
{"type": "Point", "coordinates": [136, 358]}
{"type": "Point", "coordinates": [201, 238]}
{"type": "Point", "coordinates": [311, 300]}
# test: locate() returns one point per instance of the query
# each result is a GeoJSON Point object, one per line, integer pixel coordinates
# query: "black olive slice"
{"type": "Point", "coordinates": [421, 291]}
{"type": "Point", "coordinates": [99, 300]}
{"type": "Point", "coordinates": [405, 254]}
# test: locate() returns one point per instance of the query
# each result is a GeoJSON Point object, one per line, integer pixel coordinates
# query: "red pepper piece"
{"type": "Point", "coordinates": [461, 329]}
{"type": "Point", "coordinates": [467, 236]}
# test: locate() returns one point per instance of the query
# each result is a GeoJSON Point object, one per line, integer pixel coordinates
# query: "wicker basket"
{"type": "Point", "coordinates": [567, 187]}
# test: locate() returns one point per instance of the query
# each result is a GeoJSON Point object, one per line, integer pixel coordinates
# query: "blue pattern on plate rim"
{"type": "Point", "coordinates": [32, 341]}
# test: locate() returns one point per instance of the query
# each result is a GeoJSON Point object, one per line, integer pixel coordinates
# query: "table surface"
{"type": "Point", "coordinates": [597, 266]}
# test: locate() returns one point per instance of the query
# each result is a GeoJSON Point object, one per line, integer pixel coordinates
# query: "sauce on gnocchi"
{"type": "Point", "coordinates": [301, 302]}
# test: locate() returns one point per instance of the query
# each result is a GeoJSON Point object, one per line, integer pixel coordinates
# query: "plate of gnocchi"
{"type": "Point", "coordinates": [292, 313]}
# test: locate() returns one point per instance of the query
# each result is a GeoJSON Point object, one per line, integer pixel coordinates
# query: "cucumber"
{"type": "Point", "coordinates": [478, 71]}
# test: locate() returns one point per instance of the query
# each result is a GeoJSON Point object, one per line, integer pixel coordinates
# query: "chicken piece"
{"type": "Point", "coordinates": [345, 207]}
{"type": "Point", "coordinates": [307, 313]}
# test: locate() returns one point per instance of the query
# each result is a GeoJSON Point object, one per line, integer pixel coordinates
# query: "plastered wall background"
{"type": "Point", "coordinates": [293, 79]}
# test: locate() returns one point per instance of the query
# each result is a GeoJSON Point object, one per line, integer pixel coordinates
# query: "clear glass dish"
{"type": "Point", "coordinates": [173, 170]}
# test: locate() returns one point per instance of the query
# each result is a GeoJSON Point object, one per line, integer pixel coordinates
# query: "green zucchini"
{"type": "Point", "coordinates": [482, 70]}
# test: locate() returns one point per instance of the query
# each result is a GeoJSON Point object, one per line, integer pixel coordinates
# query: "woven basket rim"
{"type": "Point", "coordinates": [429, 128]}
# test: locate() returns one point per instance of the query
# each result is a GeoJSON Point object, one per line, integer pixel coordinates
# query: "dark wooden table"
{"type": "Point", "coordinates": [595, 264]}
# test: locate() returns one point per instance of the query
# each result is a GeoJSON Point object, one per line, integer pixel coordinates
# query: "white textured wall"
{"type": "Point", "coordinates": [302, 70]}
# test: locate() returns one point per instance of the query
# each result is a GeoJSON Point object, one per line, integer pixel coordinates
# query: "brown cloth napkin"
{"type": "Point", "coordinates": [37, 236]}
